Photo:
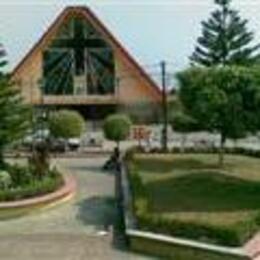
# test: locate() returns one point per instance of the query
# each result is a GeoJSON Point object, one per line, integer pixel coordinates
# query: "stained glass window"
{"type": "Point", "coordinates": [78, 61]}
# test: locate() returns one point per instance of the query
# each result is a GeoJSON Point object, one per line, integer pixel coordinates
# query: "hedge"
{"type": "Point", "coordinates": [202, 232]}
{"type": "Point", "coordinates": [212, 150]}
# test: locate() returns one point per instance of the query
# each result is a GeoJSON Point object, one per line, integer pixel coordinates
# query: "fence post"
{"type": "Point", "coordinates": [121, 238]}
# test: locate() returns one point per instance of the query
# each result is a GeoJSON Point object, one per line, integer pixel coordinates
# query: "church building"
{"type": "Point", "coordinates": [79, 64]}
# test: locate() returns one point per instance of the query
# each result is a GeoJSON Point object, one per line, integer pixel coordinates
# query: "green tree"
{"type": "Point", "coordinates": [225, 100]}
{"type": "Point", "coordinates": [117, 128]}
{"type": "Point", "coordinates": [174, 106]}
{"type": "Point", "coordinates": [184, 124]}
{"type": "Point", "coordinates": [14, 115]}
{"type": "Point", "coordinates": [225, 39]}
{"type": "Point", "coordinates": [66, 124]}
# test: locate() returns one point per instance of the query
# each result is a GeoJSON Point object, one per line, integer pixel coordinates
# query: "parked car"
{"type": "Point", "coordinates": [34, 138]}
{"type": "Point", "coordinates": [55, 144]}
{"type": "Point", "coordinates": [58, 145]}
{"type": "Point", "coordinates": [73, 143]}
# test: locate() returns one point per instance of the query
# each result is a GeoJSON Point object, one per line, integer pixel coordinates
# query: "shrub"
{"type": "Point", "coordinates": [35, 188]}
{"type": "Point", "coordinates": [203, 232]}
{"type": "Point", "coordinates": [117, 127]}
{"type": "Point", "coordinates": [66, 124]}
{"type": "Point", "coordinates": [20, 175]}
{"type": "Point", "coordinates": [138, 190]}
{"type": "Point", "coordinates": [129, 154]}
{"type": "Point", "coordinates": [183, 123]}
{"type": "Point", "coordinates": [5, 180]}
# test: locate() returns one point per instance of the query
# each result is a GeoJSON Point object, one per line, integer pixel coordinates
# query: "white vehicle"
{"type": "Point", "coordinates": [73, 143]}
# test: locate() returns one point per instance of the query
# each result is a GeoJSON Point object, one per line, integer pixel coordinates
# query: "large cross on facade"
{"type": "Point", "coordinates": [80, 43]}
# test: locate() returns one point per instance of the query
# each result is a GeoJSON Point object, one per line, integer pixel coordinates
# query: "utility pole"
{"type": "Point", "coordinates": [117, 84]}
{"type": "Point", "coordinates": [164, 108]}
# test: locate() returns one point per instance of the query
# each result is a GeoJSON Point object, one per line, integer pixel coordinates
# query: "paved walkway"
{"type": "Point", "coordinates": [72, 231]}
{"type": "Point", "coordinates": [253, 247]}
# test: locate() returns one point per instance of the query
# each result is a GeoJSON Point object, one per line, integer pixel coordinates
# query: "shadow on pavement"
{"type": "Point", "coordinates": [97, 211]}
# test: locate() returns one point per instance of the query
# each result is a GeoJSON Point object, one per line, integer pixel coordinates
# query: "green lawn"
{"type": "Point", "coordinates": [192, 188]}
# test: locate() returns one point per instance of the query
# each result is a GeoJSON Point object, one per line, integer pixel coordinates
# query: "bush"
{"type": "Point", "coordinates": [52, 181]}
{"type": "Point", "coordinates": [117, 127]}
{"type": "Point", "coordinates": [129, 154]}
{"type": "Point", "coordinates": [20, 175]}
{"type": "Point", "coordinates": [138, 190]}
{"type": "Point", "coordinates": [183, 123]}
{"type": "Point", "coordinates": [5, 180]}
{"type": "Point", "coordinates": [202, 232]}
{"type": "Point", "coordinates": [66, 124]}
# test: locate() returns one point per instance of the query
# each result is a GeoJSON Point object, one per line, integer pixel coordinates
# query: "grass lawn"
{"type": "Point", "coordinates": [192, 188]}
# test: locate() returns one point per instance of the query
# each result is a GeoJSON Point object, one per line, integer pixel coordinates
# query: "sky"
{"type": "Point", "coordinates": [152, 30]}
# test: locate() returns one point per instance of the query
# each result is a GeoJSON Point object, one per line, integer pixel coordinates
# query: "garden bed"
{"type": "Point", "coordinates": [189, 196]}
{"type": "Point", "coordinates": [46, 197]}
{"type": "Point", "coordinates": [19, 182]}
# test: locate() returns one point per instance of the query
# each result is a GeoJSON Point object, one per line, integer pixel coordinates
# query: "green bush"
{"type": "Point", "coordinates": [208, 150]}
{"type": "Point", "coordinates": [202, 232]}
{"type": "Point", "coordinates": [183, 123]}
{"type": "Point", "coordinates": [129, 154]}
{"type": "Point", "coordinates": [117, 127]}
{"type": "Point", "coordinates": [5, 180]}
{"type": "Point", "coordinates": [66, 124]}
{"type": "Point", "coordinates": [138, 190]}
{"type": "Point", "coordinates": [20, 175]}
{"type": "Point", "coordinates": [35, 187]}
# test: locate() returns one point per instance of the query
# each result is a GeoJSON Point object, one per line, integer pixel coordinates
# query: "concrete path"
{"type": "Point", "coordinates": [73, 231]}
{"type": "Point", "coordinates": [253, 247]}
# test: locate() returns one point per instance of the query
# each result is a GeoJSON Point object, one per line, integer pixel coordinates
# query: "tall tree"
{"type": "Point", "coordinates": [14, 114]}
{"type": "Point", "coordinates": [225, 100]}
{"type": "Point", "coordinates": [225, 39]}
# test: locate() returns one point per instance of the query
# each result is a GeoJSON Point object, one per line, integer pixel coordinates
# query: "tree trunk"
{"type": "Point", "coordinates": [222, 150]}
{"type": "Point", "coordinates": [2, 163]}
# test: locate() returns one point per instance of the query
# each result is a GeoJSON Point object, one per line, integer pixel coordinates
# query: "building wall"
{"type": "Point", "coordinates": [27, 79]}
{"type": "Point", "coordinates": [132, 87]}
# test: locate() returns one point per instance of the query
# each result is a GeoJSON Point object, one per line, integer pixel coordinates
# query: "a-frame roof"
{"type": "Point", "coordinates": [91, 17]}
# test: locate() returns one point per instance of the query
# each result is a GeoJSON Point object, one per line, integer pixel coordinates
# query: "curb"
{"type": "Point", "coordinates": [27, 206]}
